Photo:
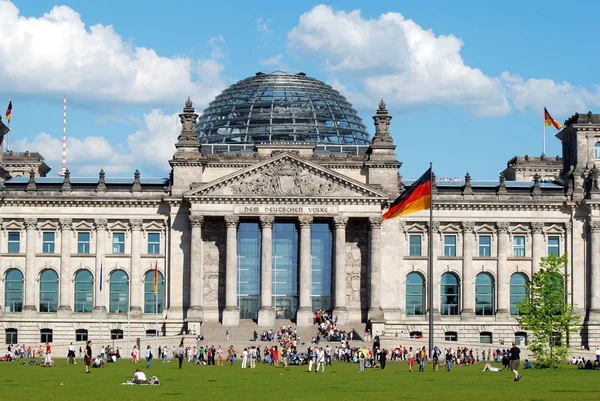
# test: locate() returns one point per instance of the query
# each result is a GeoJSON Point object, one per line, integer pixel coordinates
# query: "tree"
{"type": "Point", "coordinates": [546, 315]}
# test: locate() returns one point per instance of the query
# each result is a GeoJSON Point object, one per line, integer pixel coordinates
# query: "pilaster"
{"type": "Point", "coordinates": [266, 314]}
{"type": "Point", "coordinates": [65, 266]}
{"type": "Point", "coordinates": [375, 311]}
{"type": "Point", "coordinates": [194, 312]}
{"type": "Point", "coordinates": [136, 268]}
{"type": "Point", "coordinates": [231, 314]}
{"type": "Point", "coordinates": [340, 310]}
{"type": "Point", "coordinates": [30, 266]}
{"type": "Point", "coordinates": [304, 314]}
{"type": "Point", "coordinates": [503, 305]}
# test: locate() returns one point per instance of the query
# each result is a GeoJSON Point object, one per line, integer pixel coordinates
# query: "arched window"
{"type": "Point", "coordinates": [450, 290]}
{"type": "Point", "coordinates": [119, 292]}
{"type": "Point", "coordinates": [13, 291]}
{"type": "Point", "coordinates": [597, 151]}
{"type": "Point", "coordinates": [518, 291]}
{"type": "Point", "coordinates": [84, 288]}
{"type": "Point", "coordinates": [415, 294]}
{"type": "Point", "coordinates": [484, 294]}
{"type": "Point", "coordinates": [153, 304]}
{"type": "Point", "coordinates": [48, 291]}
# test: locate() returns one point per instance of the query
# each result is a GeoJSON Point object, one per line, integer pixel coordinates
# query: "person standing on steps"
{"type": "Point", "coordinates": [88, 356]}
{"type": "Point", "coordinates": [515, 361]}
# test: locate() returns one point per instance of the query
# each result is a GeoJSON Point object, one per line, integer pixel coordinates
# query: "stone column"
{"type": "Point", "coordinates": [30, 266]}
{"type": "Point", "coordinates": [99, 300]}
{"type": "Point", "coordinates": [436, 244]}
{"type": "Point", "coordinates": [468, 285]}
{"type": "Point", "coordinates": [375, 311]}
{"type": "Point", "coordinates": [136, 285]}
{"type": "Point", "coordinates": [595, 271]}
{"type": "Point", "coordinates": [65, 266]}
{"type": "Point", "coordinates": [502, 297]}
{"type": "Point", "coordinates": [537, 245]}
{"type": "Point", "coordinates": [304, 314]}
{"type": "Point", "coordinates": [340, 310]}
{"type": "Point", "coordinates": [231, 314]}
{"type": "Point", "coordinates": [266, 314]}
{"type": "Point", "coordinates": [194, 313]}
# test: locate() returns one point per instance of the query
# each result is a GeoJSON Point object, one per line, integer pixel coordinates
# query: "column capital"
{"type": "Point", "coordinates": [375, 222]}
{"type": "Point", "coordinates": [503, 226]}
{"type": "Point", "coordinates": [196, 221]}
{"type": "Point", "coordinates": [232, 221]}
{"type": "Point", "coordinates": [305, 221]}
{"type": "Point", "coordinates": [595, 226]}
{"type": "Point", "coordinates": [568, 226]}
{"type": "Point", "coordinates": [468, 226]}
{"type": "Point", "coordinates": [136, 224]}
{"type": "Point", "coordinates": [66, 224]}
{"type": "Point", "coordinates": [340, 221]}
{"type": "Point", "coordinates": [31, 223]}
{"type": "Point", "coordinates": [101, 224]}
{"type": "Point", "coordinates": [537, 227]}
{"type": "Point", "coordinates": [267, 221]}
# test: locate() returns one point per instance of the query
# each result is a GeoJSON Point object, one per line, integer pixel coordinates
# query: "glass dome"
{"type": "Point", "coordinates": [281, 107]}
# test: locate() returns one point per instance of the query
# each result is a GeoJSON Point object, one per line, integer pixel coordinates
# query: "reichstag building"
{"type": "Point", "coordinates": [273, 210]}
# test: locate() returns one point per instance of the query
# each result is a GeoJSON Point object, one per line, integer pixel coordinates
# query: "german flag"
{"type": "Point", "coordinates": [549, 121]}
{"type": "Point", "coordinates": [8, 111]}
{"type": "Point", "coordinates": [415, 198]}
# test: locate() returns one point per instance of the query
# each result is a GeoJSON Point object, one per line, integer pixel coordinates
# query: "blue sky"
{"type": "Point", "coordinates": [466, 83]}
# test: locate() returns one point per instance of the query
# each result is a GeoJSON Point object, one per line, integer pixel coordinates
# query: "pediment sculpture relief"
{"type": "Point", "coordinates": [286, 178]}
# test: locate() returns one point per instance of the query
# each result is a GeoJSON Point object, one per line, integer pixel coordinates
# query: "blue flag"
{"type": "Point", "coordinates": [100, 276]}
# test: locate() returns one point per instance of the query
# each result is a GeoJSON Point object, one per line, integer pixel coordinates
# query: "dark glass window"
{"type": "Point", "coordinates": [14, 242]}
{"type": "Point", "coordinates": [48, 242]}
{"type": "Point", "coordinates": [153, 243]}
{"type": "Point", "coordinates": [46, 335]}
{"type": "Point", "coordinates": [11, 336]}
{"type": "Point", "coordinates": [13, 291]}
{"type": "Point", "coordinates": [285, 270]}
{"type": "Point", "coordinates": [116, 334]}
{"type": "Point", "coordinates": [83, 242]}
{"type": "Point", "coordinates": [152, 303]}
{"type": "Point", "coordinates": [484, 294]}
{"type": "Point", "coordinates": [48, 291]}
{"type": "Point", "coordinates": [81, 335]}
{"type": "Point", "coordinates": [320, 256]}
{"type": "Point", "coordinates": [414, 245]}
{"type": "Point", "coordinates": [486, 337]}
{"type": "Point", "coordinates": [248, 269]}
{"type": "Point", "coordinates": [415, 294]}
{"type": "Point", "coordinates": [518, 291]}
{"type": "Point", "coordinates": [450, 290]}
{"type": "Point", "coordinates": [119, 292]}
{"type": "Point", "coordinates": [451, 336]}
{"type": "Point", "coordinates": [84, 288]}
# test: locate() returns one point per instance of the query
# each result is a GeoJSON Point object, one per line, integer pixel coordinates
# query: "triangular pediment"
{"type": "Point", "coordinates": [520, 228]}
{"type": "Point", "coordinates": [485, 229]}
{"type": "Point", "coordinates": [286, 175]}
{"type": "Point", "coordinates": [83, 226]}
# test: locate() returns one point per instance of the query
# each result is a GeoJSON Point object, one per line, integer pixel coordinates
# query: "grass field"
{"type": "Point", "coordinates": [265, 383]}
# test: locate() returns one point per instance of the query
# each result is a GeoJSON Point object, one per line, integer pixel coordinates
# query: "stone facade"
{"type": "Point", "coordinates": [187, 227]}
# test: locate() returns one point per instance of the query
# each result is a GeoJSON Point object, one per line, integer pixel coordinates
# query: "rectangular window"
{"type": "Point", "coordinates": [81, 335]}
{"type": "Point", "coordinates": [519, 246]}
{"type": "Point", "coordinates": [118, 243]}
{"type": "Point", "coordinates": [554, 245]}
{"type": "Point", "coordinates": [83, 242]}
{"type": "Point", "coordinates": [450, 245]}
{"type": "Point", "coordinates": [11, 336]}
{"type": "Point", "coordinates": [14, 242]}
{"type": "Point", "coordinates": [48, 242]}
{"type": "Point", "coordinates": [485, 245]}
{"type": "Point", "coordinates": [415, 245]}
{"type": "Point", "coordinates": [46, 335]}
{"type": "Point", "coordinates": [153, 243]}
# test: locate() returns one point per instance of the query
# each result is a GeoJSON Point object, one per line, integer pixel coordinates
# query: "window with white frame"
{"type": "Point", "coordinates": [554, 245]}
{"type": "Point", "coordinates": [83, 242]}
{"type": "Point", "coordinates": [48, 242]}
{"type": "Point", "coordinates": [153, 243]}
{"type": "Point", "coordinates": [519, 246]}
{"type": "Point", "coordinates": [118, 243]}
{"type": "Point", "coordinates": [414, 245]}
{"type": "Point", "coordinates": [485, 245]}
{"type": "Point", "coordinates": [450, 245]}
{"type": "Point", "coordinates": [597, 151]}
{"type": "Point", "coordinates": [14, 242]}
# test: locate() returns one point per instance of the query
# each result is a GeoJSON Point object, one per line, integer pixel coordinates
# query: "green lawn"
{"type": "Point", "coordinates": [339, 382]}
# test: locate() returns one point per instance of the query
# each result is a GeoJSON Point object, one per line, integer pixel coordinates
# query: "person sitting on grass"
{"type": "Point", "coordinates": [139, 377]}
{"type": "Point", "coordinates": [527, 364]}
{"type": "Point", "coordinates": [98, 362]}
{"type": "Point", "coordinates": [490, 368]}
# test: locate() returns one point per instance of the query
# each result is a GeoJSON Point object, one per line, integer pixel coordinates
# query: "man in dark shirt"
{"type": "Point", "coordinates": [515, 361]}
{"type": "Point", "coordinates": [88, 356]}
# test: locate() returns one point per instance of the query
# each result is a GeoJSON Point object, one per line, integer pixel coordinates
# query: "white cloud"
{"type": "Point", "coordinates": [394, 58]}
{"type": "Point", "coordinates": [262, 25]}
{"type": "Point", "coordinates": [58, 53]}
{"type": "Point", "coordinates": [273, 60]}
{"type": "Point", "coordinates": [148, 149]}
{"type": "Point", "coordinates": [410, 66]}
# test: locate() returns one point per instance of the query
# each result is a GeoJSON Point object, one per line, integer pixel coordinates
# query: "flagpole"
{"type": "Point", "coordinates": [544, 131]}
{"type": "Point", "coordinates": [156, 311]}
{"type": "Point", "coordinates": [8, 136]}
{"type": "Point", "coordinates": [430, 272]}
{"type": "Point", "coordinates": [100, 314]}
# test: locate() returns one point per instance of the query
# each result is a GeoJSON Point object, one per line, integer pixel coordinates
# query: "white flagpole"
{"type": "Point", "coordinates": [156, 315]}
{"type": "Point", "coordinates": [100, 314]}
